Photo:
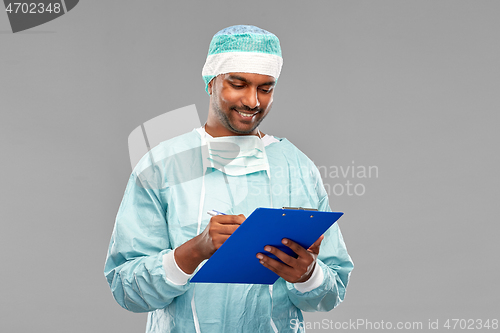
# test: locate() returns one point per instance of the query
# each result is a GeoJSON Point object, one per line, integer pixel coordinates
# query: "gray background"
{"type": "Point", "coordinates": [408, 86]}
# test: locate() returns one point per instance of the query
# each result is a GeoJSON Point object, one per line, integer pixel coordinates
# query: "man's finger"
{"type": "Point", "coordinates": [285, 258]}
{"type": "Point", "coordinates": [224, 229]}
{"type": "Point", "coordinates": [228, 219]}
{"type": "Point", "coordinates": [274, 265]}
{"type": "Point", "coordinates": [299, 250]}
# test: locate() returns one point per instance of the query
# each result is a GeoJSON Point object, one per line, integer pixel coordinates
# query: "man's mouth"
{"type": "Point", "coordinates": [246, 115]}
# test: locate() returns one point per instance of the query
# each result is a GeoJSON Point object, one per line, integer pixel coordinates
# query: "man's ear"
{"type": "Point", "coordinates": [210, 85]}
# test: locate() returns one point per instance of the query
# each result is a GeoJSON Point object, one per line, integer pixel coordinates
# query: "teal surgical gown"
{"type": "Point", "coordinates": [159, 212]}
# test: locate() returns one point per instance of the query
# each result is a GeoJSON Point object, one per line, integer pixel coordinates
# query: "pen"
{"type": "Point", "coordinates": [214, 212]}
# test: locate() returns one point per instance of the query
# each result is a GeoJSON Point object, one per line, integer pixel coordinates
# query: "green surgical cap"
{"type": "Point", "coordinates": [245, 49]}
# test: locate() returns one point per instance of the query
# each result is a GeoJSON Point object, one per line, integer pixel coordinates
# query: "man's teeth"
{"type": "Point", "coordinates": [246, 115]}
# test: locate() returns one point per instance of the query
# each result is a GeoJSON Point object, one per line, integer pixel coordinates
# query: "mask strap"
{"type": "Point", "coordinates": [202, 202]}
{"type": "Point", "coordinates": [202, 194]}
{"type": "Point", "coordinates": [268, 174]}
{"type": "Point", "coordinates": [229, 192]}
{"type": "Point", "coordinates": [195, 315]}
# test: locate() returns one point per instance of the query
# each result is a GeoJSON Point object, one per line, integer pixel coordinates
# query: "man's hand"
{"type": "Point", "coordinates": [217, 231]}
{"type": "Point", "coordinates": [292, 269]}
{"type": "Point", "coordinates": [190, 254]}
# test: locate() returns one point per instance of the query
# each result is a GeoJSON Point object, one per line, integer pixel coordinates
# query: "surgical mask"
{"type": "Point", "coordinates": [236, 155]}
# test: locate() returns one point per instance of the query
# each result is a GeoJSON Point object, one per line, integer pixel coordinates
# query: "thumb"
{"type": "Point", "coordinates": [315, 247]}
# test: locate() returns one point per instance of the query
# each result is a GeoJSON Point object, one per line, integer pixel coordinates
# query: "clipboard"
{"type": "Point", "coordinates": [235, 261]}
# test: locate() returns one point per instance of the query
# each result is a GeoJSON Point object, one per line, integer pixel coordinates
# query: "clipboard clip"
{"type": "Point", "coordinates": [300, 208]}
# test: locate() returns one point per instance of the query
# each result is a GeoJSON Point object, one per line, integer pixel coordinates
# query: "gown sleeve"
{"type": "Point", "coordinates": [134, 264]}
{"type": "Point", "coordinates": [333, 259]}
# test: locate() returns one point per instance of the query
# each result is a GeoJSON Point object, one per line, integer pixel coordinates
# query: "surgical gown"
{"type": "Point", "coordinates": [160, 211]}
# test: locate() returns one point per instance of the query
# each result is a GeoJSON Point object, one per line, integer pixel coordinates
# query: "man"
{"type": "Point", "coordinates": [162, 232]}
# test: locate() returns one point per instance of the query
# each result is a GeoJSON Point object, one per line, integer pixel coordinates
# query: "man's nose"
{"type": "Point", "coordinates": [251, 99]}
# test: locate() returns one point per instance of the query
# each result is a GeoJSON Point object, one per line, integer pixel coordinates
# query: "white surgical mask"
{"type": "Point", "coordinates": [236, 155]}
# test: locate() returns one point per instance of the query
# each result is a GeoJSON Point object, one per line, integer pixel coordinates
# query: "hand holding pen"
{"type": "Point", "coordinates": [190, 254]}
{"type": "Point", "coordinates": [220, 227]}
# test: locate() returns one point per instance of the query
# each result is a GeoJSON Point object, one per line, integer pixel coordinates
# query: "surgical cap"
{"type": "Point", "coordinates": [243, 49]}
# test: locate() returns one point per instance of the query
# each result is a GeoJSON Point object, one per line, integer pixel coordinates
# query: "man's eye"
{"type": "Point", "coordinates": [238, 86]}
{"type": "Point", "coordinates": [266, 91]}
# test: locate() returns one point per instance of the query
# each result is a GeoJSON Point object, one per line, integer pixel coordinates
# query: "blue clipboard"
{"type": "Point", "coordinates": [236, 262]}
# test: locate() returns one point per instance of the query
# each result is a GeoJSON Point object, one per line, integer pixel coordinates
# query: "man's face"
{"type": "Point", "coordinates": [239, 102]}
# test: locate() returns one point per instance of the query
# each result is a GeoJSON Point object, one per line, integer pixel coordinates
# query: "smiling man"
{"type": "Point", "coordinates": [239, 103]}
{"type": "Point", "coordinates": [162, 232]}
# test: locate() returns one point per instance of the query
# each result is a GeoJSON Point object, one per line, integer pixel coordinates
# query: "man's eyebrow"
{"type": "Point", "coordinates": [270, 83]}
{"type": "Point", "coordinates": [241, 78]}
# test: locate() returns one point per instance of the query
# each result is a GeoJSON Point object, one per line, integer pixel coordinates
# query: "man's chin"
{"type": "Point", "coordinates": [243, 130]}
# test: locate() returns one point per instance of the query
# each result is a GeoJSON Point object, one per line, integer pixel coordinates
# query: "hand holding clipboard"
{"type": "Point", "coordinates": [235, 261]}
